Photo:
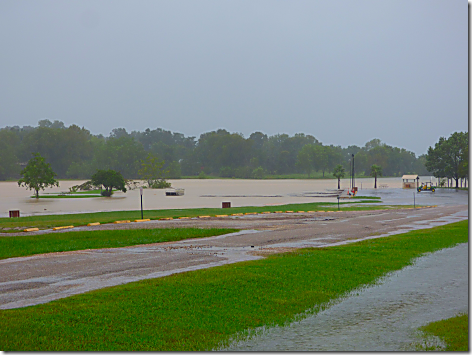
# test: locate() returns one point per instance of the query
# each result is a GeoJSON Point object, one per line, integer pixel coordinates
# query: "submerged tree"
{"type": "Point", "coordinates": [109, 179]}
{"type": "Point", "coordinates": [375, 171]}
{"type": "Point", "coordinates": [339, 172]}
{"type": "Point", "coordinates": [152, 171]}
{"type": "Point", "coordinates": [37, 175]}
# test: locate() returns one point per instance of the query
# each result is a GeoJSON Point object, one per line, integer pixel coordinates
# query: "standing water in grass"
{"type": "Point", "coordinates": [380, 318]}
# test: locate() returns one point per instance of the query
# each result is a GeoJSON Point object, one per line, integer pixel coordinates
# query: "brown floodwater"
{"type": "Point", "coordinates": [198, 193]}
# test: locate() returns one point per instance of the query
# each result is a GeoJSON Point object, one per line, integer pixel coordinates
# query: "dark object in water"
{"type": "Point", "coordinates": [175, 192]}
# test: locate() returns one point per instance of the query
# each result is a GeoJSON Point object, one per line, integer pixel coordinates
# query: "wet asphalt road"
{"type": "Point", "coordinates": [39, 279]}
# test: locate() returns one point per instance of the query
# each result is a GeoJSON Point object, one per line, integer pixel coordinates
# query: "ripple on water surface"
{"type": "Point", "coordinates": [383, 317]}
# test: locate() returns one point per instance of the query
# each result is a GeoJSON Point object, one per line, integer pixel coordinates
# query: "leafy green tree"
{"type": "Point", "coordinates": [122, 154]}
{"type": "Point", "coordinates": [8, 158]}
{"type": "Point", "coordinates": [59, 145]}
{"type": "Point", "coordinates": [375, 170]}
{"type": "Point", "coordinates": [335, 156]}
{"type": "Point", "coordinates": [220, 148]}
{"type": "Point", "coordinates": [321, 158]}
{"type": "Point", "coordinates": [152, 170]}
{"type": "Point", "coordinates": [75, 153]}
{"type": "Point", "coordinates": [109, 179]}
{"type": "Point", "coordinates": [464, 165]}
{"type": "Point", "coordinates": [305, 158]}
{"type": "Point", "coordinates": [283, 162]}
{"type": "Point", "coordinates": [448, 158]}
{"type": "Point", "coordinates": [173, 171]}
{"type": "Point", "coordinates": [37, 175]}
{"type": "Point", "coordinates": [339, 172]}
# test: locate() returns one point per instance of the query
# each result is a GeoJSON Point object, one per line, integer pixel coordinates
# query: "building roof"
{"type": "Point", "coordinates": [409, 177]}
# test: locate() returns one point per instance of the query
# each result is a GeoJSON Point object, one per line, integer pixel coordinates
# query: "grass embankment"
{"type": "Point", "coordinates": [453, 331]}
{"type": "Point", "coordinates": [57, 242]}
{"type": "Point", "coordinates": [81, 219]}
{"type": "Point", "coordinates": [203, 309]}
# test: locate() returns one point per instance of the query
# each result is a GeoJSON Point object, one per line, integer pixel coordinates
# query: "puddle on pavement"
{"type": "Point", "coordinates": [384, 317]}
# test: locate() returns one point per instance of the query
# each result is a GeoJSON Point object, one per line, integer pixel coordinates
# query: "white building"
{"type": "Point", "coordinates": [410, 181]}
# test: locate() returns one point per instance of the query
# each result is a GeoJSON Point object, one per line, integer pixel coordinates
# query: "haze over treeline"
{"type": "Point", "coordinates": [75, 153]}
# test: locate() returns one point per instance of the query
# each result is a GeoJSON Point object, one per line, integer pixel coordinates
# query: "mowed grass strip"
{"type": "Point", "coordinates": [57, 242]}
{"type": "Point", "coordinates": [453, 331]}
{"type": "Point", "coordinates": [203, 309]}
{"type": "Point", "coordinates": [82, 219]}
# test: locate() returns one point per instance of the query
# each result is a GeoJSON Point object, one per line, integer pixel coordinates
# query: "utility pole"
{"type": "Point", "coordinates": [141, 193]}
{"type": "Point", "coordinates": [353, 173]}
{"type": "Point", "coordinates": [350, 175]}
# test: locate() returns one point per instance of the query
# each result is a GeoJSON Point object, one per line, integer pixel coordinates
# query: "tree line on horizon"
{"type": "Point", "coordinates": [75, 153]}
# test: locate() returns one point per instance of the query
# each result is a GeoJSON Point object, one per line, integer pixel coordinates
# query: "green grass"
{"type": "Point", "coordinates": [203, 309]}
{"type": "Point", "coordinates": [67, 196]}
{"type": "Point", "coordinates": [453, 331]}
{"type": "Point", "coordinates": [80, 219]}
{"type": "Point", "coordinates": [57, 242]}
{"type": "Point", "coordinates": [96, 192]}
{"type": "Point", "coordinates": [77, 194]}
{"type": "Point", "coordinates": [367, 198]}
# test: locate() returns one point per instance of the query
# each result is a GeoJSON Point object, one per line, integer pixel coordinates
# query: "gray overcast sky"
{"type": "Point", "coordinates": [343, 71]}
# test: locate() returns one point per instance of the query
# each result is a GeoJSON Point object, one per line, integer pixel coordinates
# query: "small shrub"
{"type": "Point", "coordinates": [243, 172]}
{"type": "Point", "coordinates": [227, 171]}
{"type": "Point", "coordinates": [258, 173]}
{"type": "Point", "coordinates": [160, 184]}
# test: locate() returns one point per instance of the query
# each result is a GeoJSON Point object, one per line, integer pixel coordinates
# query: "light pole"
{"type": "Point", "coordinates": [141, 193]}
{"type": "Point", "coordinates": [350, 177]}
{"type": "Point", "coordinates": [353, 173]}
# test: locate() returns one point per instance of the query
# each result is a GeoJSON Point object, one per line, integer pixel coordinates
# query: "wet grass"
{"type": "Point", "coordinates": [453, 331]}
{"type": "Point", "coordinates": [56, 242]}
{"type": "Point", "coordinates": [204, 309]}
{"type": "Point", "coordinates": [68, 196]}
{"type": "Point", "coordinates": [366, 197]}
{"type": "Point", "coordinates": [76, 194]}
{"type": "Point", "coordinates": [81, 219]}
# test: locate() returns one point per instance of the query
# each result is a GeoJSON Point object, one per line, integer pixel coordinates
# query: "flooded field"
{"type": "Point", "coordinates": [199, 193]}
{"type": "Point", "coordinates": [380, 318]}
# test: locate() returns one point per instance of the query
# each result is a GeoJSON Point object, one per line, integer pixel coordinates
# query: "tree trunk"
{"type": "Point", "coordinates": [457, 182]}
{"type": "Point", "coordinates": [339, 183]}
{"type": "Point", "coordinates": [375, 184]}
{"type": "Point", "coordinates": [37, 193]}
